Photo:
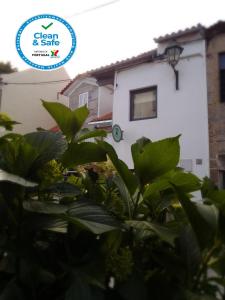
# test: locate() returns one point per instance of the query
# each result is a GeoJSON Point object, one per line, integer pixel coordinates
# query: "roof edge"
{"type": "Point", "coordinates": [148, 56]}
{"type": "Point", "coordinates": [197, 28]}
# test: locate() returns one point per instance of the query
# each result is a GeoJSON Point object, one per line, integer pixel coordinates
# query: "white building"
{"type": "Point", "coordinates": [22, 93]}
{"type": "Point", "coordinates": [146, 103]}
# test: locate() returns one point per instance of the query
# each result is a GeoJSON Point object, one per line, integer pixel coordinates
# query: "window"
{"type": "Point", "coordinates": [143, 104]}
{"type": "Point", "coordinates": [222, 179]}
{"type": "Point", "coordinates": [83, 99]}
{"type": "Point", "coordinates": [222, 76]}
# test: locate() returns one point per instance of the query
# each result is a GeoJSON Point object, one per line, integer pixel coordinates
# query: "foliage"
{"type": "Point", "coordinates": [6, 122]}
{"type": "Point", "coordinates": [6, 68]}
{"type": "Point", "coordinates": [120, 264]}
{"type": "Point", "coordinates": [71, 237]}
{"type": "Point", "coordinates": [52, 172]}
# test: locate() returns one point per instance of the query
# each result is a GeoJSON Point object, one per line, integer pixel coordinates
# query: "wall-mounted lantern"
{"type": "Point", "coordinates": [172, 54]}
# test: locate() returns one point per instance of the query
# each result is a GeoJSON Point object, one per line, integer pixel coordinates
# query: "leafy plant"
{"type": "Point", "coordinates": [6, 122]}
{"type": "Point", "coordinates": [106, 232]}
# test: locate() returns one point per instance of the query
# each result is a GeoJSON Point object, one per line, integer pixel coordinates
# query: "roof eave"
{"type": "Point", "coordinates": [109, 71]}
{"type": "Point", "coordinates": [181, 33]}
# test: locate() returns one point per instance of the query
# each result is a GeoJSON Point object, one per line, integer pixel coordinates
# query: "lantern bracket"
{"type": "Point", "coordinates": [172, 54]}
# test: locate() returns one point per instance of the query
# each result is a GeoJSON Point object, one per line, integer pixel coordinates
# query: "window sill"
{"type": "Point", "coordinates": [143, 119]}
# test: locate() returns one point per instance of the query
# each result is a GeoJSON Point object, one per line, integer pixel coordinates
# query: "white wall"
{"type": "Point", "coordinates": [22, 102]}
{"type": "Point", "coordinates": [179, 112]}
{"type": "Point", "coordinates": [105, 100]}
{"type": "Point", "coordinates": [63, 99]}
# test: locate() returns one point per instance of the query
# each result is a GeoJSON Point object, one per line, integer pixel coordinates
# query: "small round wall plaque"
{"type": "Point", "coordinates": [117, 133]}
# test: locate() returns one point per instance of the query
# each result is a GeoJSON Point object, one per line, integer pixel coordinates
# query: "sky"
{"type": "Point", "coordinates": [117, 31]}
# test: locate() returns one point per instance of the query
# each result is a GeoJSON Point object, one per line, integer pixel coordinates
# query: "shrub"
{"type": "Point", "coordinates": [138, 229]}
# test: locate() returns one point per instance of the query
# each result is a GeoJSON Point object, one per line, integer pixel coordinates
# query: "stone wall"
{"type": "Point", "coordinates": [216, 109]}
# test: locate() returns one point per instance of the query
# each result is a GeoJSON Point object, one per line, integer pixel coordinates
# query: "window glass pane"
{"type": "Point", "coordinates": [83, 99]}
{"type": "Point", "coordinates": [222, 85]}
{"type": "Point", "coordinates": [222, 179]}
{"type": "Point", "coordinates": [222, 77]}
{"type": "Point", "coordinates": [222, 61]}
{"type": "Point", "coordinates": [144, 104]}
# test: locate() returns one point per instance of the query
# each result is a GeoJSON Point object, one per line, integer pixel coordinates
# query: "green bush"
{"type": "Point", "coordinates": [107, 232]}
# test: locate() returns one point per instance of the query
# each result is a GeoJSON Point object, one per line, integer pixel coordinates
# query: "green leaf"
{"type": "Point", "coordinates": [10, 136]}
{"type": "Point", "coordinates": [189, 250]}
{"type": "Point", "coordinates": [154, 159]}
{"type": "Point", "coordinates": [156, 187]}
{"type": "Point", "coordinates": [86, 152]}
{"type": "Point", "coordinates": [35, 221]}
{"type": "Point", "coordinates": [87, 134]}
{"type": "Point", "coordinates": [92, 217]}
{"type": "Point", "coordinates": [217, 197]}
{"type": "Point", "coordinates": [218, 265]}
{"type": "Point", "coordinates": [63, 188]}
{"type": "Point", "coordinates": [203, 218]}
{"type": "Point", "coordinates": [125, 195]}
{"type": "Point", "coordinates": [186, 182]}
{"type": "Point", "coordinates": [208, 186]}
{"type": "Point", "coordinates": [44, 207]}
{"type": "Point", "coordinates": [25, 155]}
{"type": "Point", "coordinates": [6, 122]}
{"type": "Point", "coordinates": [81, 213]}
{"type": "Point", "coordinates": [165, 233]}
{"type": "Point", "coordinates": [113, 241]}
{"type": "Point", "coordinates": [17, 156]}
{"type": "Point", "coordinates": [70, 122]}
{"type": "Point", "coordinates": [5, 176]}
{"type": "Point", "coordinates": [55, 225]}
{"type": "Point", "coordinates": [128, 177]}
{"type": "Point", "coordinates": [48, 145]}
{"type": "Point", "coordinates": [220, 281]}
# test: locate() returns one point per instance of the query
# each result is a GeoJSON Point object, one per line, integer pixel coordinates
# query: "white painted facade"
{"type": "Point", "coordinates": [182, 111]}
{"type": "Point", "coordinates": [105, 99]}
{"type": "Point", "coordinates": [22, 102]}
{"type": "Point", "coordinates": [179, 112]}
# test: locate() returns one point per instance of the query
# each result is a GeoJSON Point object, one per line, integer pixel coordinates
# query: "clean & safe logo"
{"type": "Point", "coordinates": [46, 42]}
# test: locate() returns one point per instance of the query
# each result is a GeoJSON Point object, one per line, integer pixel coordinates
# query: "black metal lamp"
{"type": "Point", "coordinates": [172, 54]}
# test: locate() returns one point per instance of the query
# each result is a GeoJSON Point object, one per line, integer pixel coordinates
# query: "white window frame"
{"type": "Point", "coordinates": [83, 99]}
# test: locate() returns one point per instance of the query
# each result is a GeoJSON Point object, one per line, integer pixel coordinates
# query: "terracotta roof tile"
{"type": "Point", "coordinates": [146, 56]}
{"type": "Point", "coordinates": [179, 33]}
{"type": "Point", "coordinates": [217, 28]}
{"type": "Point", "coordinates": [141, 58]}
{"type": "Point", "coordinates": [55, 129]}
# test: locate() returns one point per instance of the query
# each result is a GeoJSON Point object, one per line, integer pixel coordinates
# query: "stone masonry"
{"type": "Point", "coordinates": [216, 108]}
